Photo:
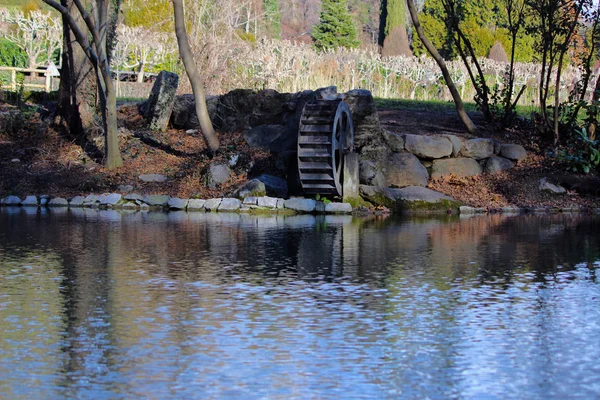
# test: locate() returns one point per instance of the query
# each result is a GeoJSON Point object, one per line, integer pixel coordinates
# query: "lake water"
{"type": "Point", "coordinates": [100, 304]}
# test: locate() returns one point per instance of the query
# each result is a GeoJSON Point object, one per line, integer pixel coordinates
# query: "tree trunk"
{"type": "Point", "coordinates": [113, 153]}
{"type": "Point", "coordinates": [194, 75]}
{"type": "Point", "coordinates": [77, 93]}
{"type": "Point", "coordinates": [460, 109]}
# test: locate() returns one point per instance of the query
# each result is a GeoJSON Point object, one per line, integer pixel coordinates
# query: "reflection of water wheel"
{"type": "Point", "coordinates": [325, 135]}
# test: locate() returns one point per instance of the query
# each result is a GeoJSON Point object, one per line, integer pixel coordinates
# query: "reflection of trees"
{"type": "Point", "coordinates": [121, 283]}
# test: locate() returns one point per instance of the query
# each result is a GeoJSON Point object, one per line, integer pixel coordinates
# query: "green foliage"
{"type": "Point", "coordinates": [336, 27]}
{"type": "Point", "coordinates": [580, 154]}
{"type": "Point", "coordinates": [393, 14]}
{"type": "Point", "coordinates": [246, 36]}
{"type": "Point", "coordinates": [482, 21]}
{"type": "Point", "coordinates": [11, 55]}
{"type": "Point", "coordinates": [155, 14]}
{"type": "Point", "coordinates": [272, 18]}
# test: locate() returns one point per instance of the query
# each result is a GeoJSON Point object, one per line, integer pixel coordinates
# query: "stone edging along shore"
{"type": "Point", "coordinates": [162, 202]}
{"type": "Point", "coordinates": [265, 204]}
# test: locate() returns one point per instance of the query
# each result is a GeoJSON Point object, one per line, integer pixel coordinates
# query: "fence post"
{"type": "Point", "coordinates": [48, 83]}
{"type": "Point", "coordinates": [14, 80]}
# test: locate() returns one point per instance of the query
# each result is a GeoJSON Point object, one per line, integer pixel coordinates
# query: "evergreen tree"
{"type": "Point", "coordinates": [272, 18]}
{"type": "Point", "coordinates": [392, 29]}
{"type": "Point", "coordinates": [336, 27]}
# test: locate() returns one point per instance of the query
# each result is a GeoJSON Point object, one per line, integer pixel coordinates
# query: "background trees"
{"type": "Point", "coordinates": [335, 27]}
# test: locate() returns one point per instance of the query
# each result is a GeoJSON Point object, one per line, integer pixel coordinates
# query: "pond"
{"type": "Point", "coordinates": [103, 304]}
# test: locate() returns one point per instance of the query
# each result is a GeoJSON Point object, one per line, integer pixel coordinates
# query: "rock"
{"type": "Point", "coordinates": [58, 202]}
{"type": "Point", "coordinates": [513, 152]}
{"type": "Point", "coordinates": [175, 203]}
{"type": "Point", "coordinates": [12, 201]}
{"type": "Point", "coordinates": [233, 160]}
{"type": "Point", "coordinates": [394, 141]}
{"type": "Point", "coordinates": [125, 188]}
{"type": "Point", "coordinates": [77, 201]}
{"type": "Point", "coordinates": [30, 201]}
{"type": "Point", "coordinates": [112, 199]}
{"type": "Point", "coordinates": [44, 199]}
{"type": "Point", "coordinates": [478, 148]}
{"type": "Point", "coordinates": [496, 164]}
{"type": "Point", "coordinates": [510, 210]}
{"type": "Point", "coordinates": [250, 201]}
{"type": "Point", "coordinates": [195, 204]}
{"type": "Point", "coordinates": [268, 202]}
{"type": "Point", "coordinates": [15, 160]}
{"type": "Point", "coordinates": [460, 167]}
{"type": "Point", "coordinates": [405, 169]}
{"type": "Point", "coordinates": [280, 204]}
{"type": "Point", "coordinates": [156, 200]}
{"type": "Point", "coordinates": [409, 198]}
{"type": "Point", "coordinates": [212, 204]}
{"type": "Point", "coordinates": [252, 188]}
{"type": "Point", "coordinates": [152, 178]}
{"type": "Point", "coordinates": [370, 173]}
{"type": "Point", "coordinates": [456, 144]}
{"type": "Point", "coordinates": [133, 197]}
{"type": "Point", "coordinates": [466, 210]}
{"type": "Point", "coordinates": [548, 187]}
{"type": "Point", "coordinates": [300, 204]}
{"type": "Point", "coordinates": [184, 115]}
{"type": "Point", "coordinates": [338, 208]}
{"type": "Point", "coordinates": [161, 100]}
{"type": "Point", "coordinates": [320, 207]}
{"type": "Point", "coordinates": [368, 133]}
{"type": "Point", "coordinates": [274, 185]}
{"type": "Point", "coordinates": [218, 174]}
{"type": "Point", "coordinates": [130, 206]}
{"type": "Point", "coordinates": [430, 147]}
{"type": "Point", "coordinates": [191, 131]}
{"type": "Point", "coordinates": [230, 204]}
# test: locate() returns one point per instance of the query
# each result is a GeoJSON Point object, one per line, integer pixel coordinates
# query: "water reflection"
{"type": "Point", "coordinates": [116, 305]}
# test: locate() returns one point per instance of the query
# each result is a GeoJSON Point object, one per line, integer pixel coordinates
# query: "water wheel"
{"type": "Point", "coordinates": [325, 135]}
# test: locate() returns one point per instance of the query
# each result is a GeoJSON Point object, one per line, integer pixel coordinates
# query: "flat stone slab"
{"type": "Point", "coordinates": [153, 178]}
{"type": "Point", "coordinates": [175, 203]}
{"type": "Point", "coordinates": [268, 202]}
{"type": "Point", "coordinates": [414, 198]}
{"type": "Point", "coordinates": [196, 204]}
{"type": "Point", "coordinates": [338, 208]}
{"type": "Point", "coordinates": [58, 202]}
{"type": "Point", "coordinates": [230, 204]}
{"type": "Point", "coordinates": [133, 197]}
{"type": "Point", "coordinates": [299, 204]}
{"type": "Point", "coordinates": [112, 199]}
{"type": "Point", "coordinates": [156, 200]}
{"type": "Point", "coordinates": [212, 204]}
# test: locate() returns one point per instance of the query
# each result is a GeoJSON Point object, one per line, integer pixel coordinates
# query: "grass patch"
{"type": "Point", "coordinates": [437, 105]}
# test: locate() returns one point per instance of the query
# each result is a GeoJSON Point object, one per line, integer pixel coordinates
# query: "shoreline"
{"type": "Point", "coordinates": [257, 205]}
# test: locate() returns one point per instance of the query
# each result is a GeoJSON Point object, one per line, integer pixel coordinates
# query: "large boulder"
{"type": "Point", "coordinates": [478, 148]}
{"type": "Point", "coordinates": [428, 147]}
{"type": "Point", "coordinates": [513, 152]}
{"type": "Point", "coordinates": [460, 167]}
{"type": "Point", "coordinates": [496, 164]}
{"type": "Point", "coordinates": [405, 169]}
{"type": "Point", "coordinates": [370, 172]}
{"type": "Point", "coordinates": [252, 188]}
{"type": "Point", "coordinates": [184, 115]}
{"type": "Point", "coordinates": [456, 144]}
{"type": "Point", "coordinates": [274, 186]}
{"type": "Point", "coordinates": [410, 198]}
{"type": "Point", "coordinates": [394, 141]}
{"type": "Point", "coordinates": [160, 102]}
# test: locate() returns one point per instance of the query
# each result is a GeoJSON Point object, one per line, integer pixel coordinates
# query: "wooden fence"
{"type": "Point", "coordinates": [35, 73]}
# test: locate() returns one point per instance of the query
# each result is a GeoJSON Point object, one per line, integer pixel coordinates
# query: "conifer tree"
{"type": "Point", "coordinates": [336, 27]}
{"type": "Point", "coordinates": [273, 18]}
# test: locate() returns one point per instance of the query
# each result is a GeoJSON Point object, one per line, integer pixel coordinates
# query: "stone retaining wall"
{"type": "Point", "coordinates": [163, 203]}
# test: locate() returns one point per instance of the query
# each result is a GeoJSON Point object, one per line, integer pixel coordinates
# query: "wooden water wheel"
{"type": "Point", "coordinates": [325, 135]}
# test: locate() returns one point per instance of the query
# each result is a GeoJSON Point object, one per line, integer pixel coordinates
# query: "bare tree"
{"type": "Point", "coordinates": [37, 33]}
{"type": "Point", "coordinates": [460, 109]}
{"type": "Point", "coordinates": [97, 24]}
{"type": "Point", "coordinates": [194, 76]}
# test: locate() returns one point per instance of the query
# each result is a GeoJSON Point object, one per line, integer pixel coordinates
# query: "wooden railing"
{"type": "Point", "coordinates": [13, 85]}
